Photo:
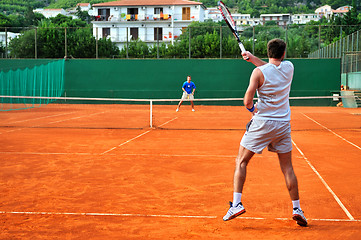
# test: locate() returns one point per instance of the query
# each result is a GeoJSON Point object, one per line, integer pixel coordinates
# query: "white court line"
{"type": "Point", "coordinates": [51, 153]}
{"type": "Point", "coordinates": [108, 214]}
{"type": "Point", "coordinates": [124, 154]}
{"type": "Point", "coordinates": [332, 131]}
{"type": "Point", "coordinates": [168, 121]}
{"type": "Point", "coordinates": [165, 216]}
{"type": "Point", "coordinates": [325, 184]}
{"type": "Point", "coordinates": [63, 120]}
{"type": "Point", "coordinates": [76, 117]}
{"type": "Point", "coordinates": [32, 119]}
{"type": "Point", "coordinates": [109, 150]}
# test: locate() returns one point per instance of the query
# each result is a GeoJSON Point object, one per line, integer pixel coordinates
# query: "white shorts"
{"type": "Point", "coordinates": [276, 135]}
{"type": "Point", "coordinates": [187, 96]}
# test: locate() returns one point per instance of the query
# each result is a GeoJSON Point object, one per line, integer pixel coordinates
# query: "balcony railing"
{"type": "Point", "coordinates": [134, 17]}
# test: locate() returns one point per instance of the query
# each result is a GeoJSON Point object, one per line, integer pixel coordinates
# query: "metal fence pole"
{"type": "Point", "coordinates": [357, 55]}
{"type": "Point", "coordinates": [127, 47]}
{"type": "Point", "coordinates": [340, 42]}
{"type": "Point", "coordinates": [319, 40]}
{"type": "Point", "coordinates": [6, 42]}
{"type": "Point", "coordinates": [96, 44]}
{"type": "Point", "coordinates": [157, 42]}
{"type": "Point", "coordinates": [220, 42]}
{"type": "Point", "coordinates": [189, 36]}
{"type": "Point", "coordinates": [66, 43]}
{"type": "Point", "coordinates": [254, 42]}
{"type": "Point", "coordinates": [36, 43]}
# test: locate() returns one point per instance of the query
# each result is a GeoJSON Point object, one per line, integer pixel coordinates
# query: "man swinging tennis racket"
{"type": "Point", "coordinates": [270, 125]}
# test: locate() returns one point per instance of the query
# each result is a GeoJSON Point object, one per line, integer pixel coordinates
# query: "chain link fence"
{"type": "Point", "coordinates": [303, 41]}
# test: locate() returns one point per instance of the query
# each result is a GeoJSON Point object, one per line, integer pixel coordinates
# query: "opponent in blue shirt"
{"type": "Point", "coordinates": [188, 92]}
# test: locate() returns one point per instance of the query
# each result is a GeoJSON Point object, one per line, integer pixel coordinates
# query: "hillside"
{"type": "Point", "coordinates": [254, 7]}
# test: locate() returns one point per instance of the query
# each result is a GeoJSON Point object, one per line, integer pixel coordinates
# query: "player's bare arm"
{"type": "Point", "coordinates": [249, 57]}
{"type": "Point", "coordinates": [255, 82]}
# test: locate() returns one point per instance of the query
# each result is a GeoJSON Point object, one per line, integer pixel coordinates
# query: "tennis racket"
{"type": "Point", "coordinates": [230, 22]}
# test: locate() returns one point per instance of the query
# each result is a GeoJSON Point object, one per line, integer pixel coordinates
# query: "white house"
{"type": "Point", "coordinates": [48, 13]}
{"type": "Point", "coordinates": [324, 11]}
{"type": "Point", "coordinates": [341, 10]}
{"type": "Point", "coordinates": [281, 19]}
{"type": "Point", "coordinates": [213, 14]}
{"type": "Point", "coordinates": [5, 38]}
{"type": "Point", "coordinates": [84, 6]}
{"type": "Point", "coordinates": [150, 21]}
{"type": "Point", "coordinates": [304, 18]}
{"type": "Point", "coordinates": [241, 19]}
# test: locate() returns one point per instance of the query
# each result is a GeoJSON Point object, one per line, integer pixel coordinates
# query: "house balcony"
{"type": "Point", "coordinates": [133, 17]}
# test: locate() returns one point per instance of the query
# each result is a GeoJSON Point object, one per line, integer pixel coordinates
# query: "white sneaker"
{"type": "Point", "coordinates": [234, 211]}
{"type": "Point", "coordinates": [193, 110]}
{"type": "Point", "coordinates": [299, 217]}
{"type": "Point", "coordinates": [177, 110]}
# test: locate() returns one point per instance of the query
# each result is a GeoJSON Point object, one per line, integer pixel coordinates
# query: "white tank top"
{"type": "Point", "coordinates": [273, 102]}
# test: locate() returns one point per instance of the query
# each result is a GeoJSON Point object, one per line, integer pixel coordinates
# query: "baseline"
{"type": "Point", "coordinates": [166, 216]}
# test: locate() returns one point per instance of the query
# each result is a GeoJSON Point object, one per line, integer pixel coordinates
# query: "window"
{"type": "Point", "coordinates": [158, 33]}
{"type": "Point", "coordinates": [186, 13]}
{"type": "Point", "coordinates": [106, 32]}
{"type": "Point", "coordinates": [134, 33]}
{"type": "Point", "coordinates": [132, 11]}
{"type": "Point", "coordinates": [158, 10]}
{"type": "Point", "coordinates": [103, 14]}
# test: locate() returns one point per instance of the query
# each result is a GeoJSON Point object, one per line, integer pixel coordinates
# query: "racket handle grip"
{"type": "Point", "coordinates": [242, 48]}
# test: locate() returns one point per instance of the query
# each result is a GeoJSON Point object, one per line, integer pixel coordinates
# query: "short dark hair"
{"type": "Point", "coordinates": [276, 48]}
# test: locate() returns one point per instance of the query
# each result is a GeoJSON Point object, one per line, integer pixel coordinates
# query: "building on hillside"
{"type": "Point", "coordinates": [84, 6]}
{"type": "Point", "coordinates": [303, 18]}
{"type": "Point", "coordinates": [213, 14]}
{"type": "Point", "coordinates": [48, 13]}
{"type": "Point", "coordinates": [324, 11]}
{"type": "Point", "coordinates": [5, 38]}
{"type": "Point", "coordinates": [241, 19]}
{"type": "Point", "coordinates": [341, 10]}
{"type": "Point", "coordinates": [281, 20]}
{"type": "Point", "coordinates": [150, 21]}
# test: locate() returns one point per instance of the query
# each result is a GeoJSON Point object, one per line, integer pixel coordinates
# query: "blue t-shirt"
{"type": "Point", "coordinates": [189, 86]}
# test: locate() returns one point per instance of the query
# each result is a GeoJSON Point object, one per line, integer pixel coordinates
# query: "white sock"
{"type": "Point", "coordinates": [236, 198]}
{"type": "Point", "coordinates": [296, 204]}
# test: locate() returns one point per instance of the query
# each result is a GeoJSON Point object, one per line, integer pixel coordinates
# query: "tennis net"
{"type": "Point", "coordinates": [115, 113]}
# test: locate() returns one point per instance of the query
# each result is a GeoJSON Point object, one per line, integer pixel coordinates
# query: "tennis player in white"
{"type": "Point", "coordinates": [270, 125]}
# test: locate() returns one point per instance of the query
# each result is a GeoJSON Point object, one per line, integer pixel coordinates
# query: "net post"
{"type": "Point", "coordinates": [151, 114]}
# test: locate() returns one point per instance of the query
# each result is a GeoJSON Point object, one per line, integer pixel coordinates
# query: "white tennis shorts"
{"type": "Point", "coordinates": [187, 96]}
{"type": "Point", "coordinates": [276, 135]}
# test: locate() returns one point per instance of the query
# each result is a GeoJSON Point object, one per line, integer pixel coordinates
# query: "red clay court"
{"type": "Point", "coordinates": [92, 172]}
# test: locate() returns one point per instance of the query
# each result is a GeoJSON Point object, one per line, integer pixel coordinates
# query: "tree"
{"type": "Point", "coordinates": [4, 21]}
{"type": "Point", "coordinates": [83, 15]}
{"type": "Point", "coordinates": [351, 20]}
{"type": "Point", "coordinates": [50, 36]}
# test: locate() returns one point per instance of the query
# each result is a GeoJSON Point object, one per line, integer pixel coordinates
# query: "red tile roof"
{"type": "Point", "coordinates": [339, 11]}
{"type": "Point", "coordinates": [147, 3]}
{"type": "Point", "coordinates": [83, 4]}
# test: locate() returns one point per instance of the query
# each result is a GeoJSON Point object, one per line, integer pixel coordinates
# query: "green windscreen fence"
{"type": "Point", "coordinates": [36, 79]}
